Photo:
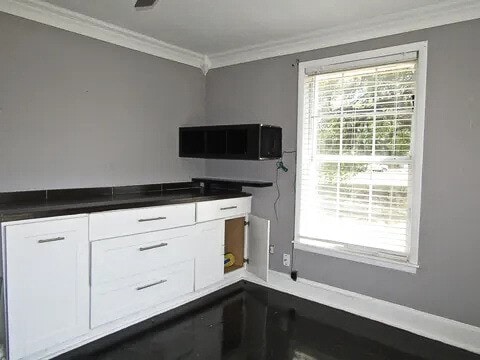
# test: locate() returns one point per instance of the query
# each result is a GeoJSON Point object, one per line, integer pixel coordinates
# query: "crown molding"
{"type": "Point", "coordinates": [58, 17]}
{"type": "Point", "coordinates": [207, 65]}
{"type": "Point", "coordinates": [445, 12]}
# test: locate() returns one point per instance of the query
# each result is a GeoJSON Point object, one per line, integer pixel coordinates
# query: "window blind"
{"type": "Point", "coordinates": [357, 160]}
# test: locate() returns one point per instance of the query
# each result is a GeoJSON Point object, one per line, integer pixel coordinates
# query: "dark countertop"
{"type": "Point", "coordinates": [29, 205]}
{"type": "Point", "coordinates": [248, 183]}
{"type": "Point", "coordinates": [211, 183]}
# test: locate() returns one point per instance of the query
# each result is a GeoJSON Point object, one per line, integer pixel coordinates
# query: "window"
{"type": "Point", "coordinates": [359, 167]}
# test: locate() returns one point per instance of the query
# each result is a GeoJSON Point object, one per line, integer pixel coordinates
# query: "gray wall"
{"type": "Point", "coordinates": [78, 112]}
{"type": "Point", "coordinates": [447, 283]}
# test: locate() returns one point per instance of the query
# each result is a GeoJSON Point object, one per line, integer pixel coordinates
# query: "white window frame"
{"type": "Point", "coordinates": [367, 58]}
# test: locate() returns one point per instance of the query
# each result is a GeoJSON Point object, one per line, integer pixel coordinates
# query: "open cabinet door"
{"type": "Point", "coordinates": [258, 242]}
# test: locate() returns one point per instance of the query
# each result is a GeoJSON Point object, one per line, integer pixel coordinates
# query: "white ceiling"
{"type": "Point", "coordinates": [215, 26]}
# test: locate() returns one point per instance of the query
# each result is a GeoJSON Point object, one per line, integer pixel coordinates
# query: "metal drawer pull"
{"type": "Point", "coordinates": [152, 219]}
{"type": "Point", "coordinates": [153, 247]}
{"type": "Point", "coordinates": [51, 240]}
{"type": "Point", "coordinates": [152, 284]}
{"type": "Point", "coordinates": [229, 207]}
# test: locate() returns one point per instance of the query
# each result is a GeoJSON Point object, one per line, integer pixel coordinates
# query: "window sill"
{"type": "Point", "coordinates": [366, 259]}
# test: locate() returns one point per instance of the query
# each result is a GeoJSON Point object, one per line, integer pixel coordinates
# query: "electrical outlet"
{"type": "Point", "coordinates": [286, 259]}
{"type": "Point", "coordinates": [272, 249]}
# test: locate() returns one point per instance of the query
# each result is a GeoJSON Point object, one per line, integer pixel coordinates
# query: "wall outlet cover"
{"type": "Point", "coordinates": [271, 249]}
{"type": "Point", "coordinates": [286, 259]}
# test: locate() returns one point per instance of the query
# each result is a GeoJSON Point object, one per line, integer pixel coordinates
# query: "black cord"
{"type": "Point", "coordinates": [281, 166]}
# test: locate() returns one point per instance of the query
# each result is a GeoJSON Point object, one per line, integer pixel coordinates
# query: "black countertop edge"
{"type": "Point", "coordinates": [231, 183]}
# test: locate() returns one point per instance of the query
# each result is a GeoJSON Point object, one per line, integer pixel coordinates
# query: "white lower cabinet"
{"type": "Point", "coordinates": [209, 253]}
{"type": "Point", "coordinates": [63, 287]}
{"type": "Point", "coordinates": [47, 289]}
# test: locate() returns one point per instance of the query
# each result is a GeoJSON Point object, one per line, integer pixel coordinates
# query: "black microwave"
{"type": "Point", "coordinates": [247, 142]}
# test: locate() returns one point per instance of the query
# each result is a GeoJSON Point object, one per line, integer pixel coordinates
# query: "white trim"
{"type": "Point", "coordinates": [435, 327]}
{"type": "Point", "coordinates": [442, 13]}
{"type": "Point", "coordinates": [362, 258]}
{"type": "Point", "coordinates": [300, 105]}
{"type": "Point", "coordinates": [418, 133]}
{"type": "Point", "coordinates": [56, 16]}
{"type": "Point", "coordinates": [333, 66]}
{"type": "Point", "coordinates": [399, 53]}
{"type": "Point", "coordinates": [207, 65]}
{"type": "Point", "coordinates": [362, 59]}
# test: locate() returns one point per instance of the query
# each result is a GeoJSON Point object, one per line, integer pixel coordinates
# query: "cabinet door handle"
{"type": "Point", "coordinates": [150, 285]}
{"type": "Point", "coordinates": [60, 238]}
{"type": "Point", "coordinates": [229, 207]}
{"type": "Point", "coordinates": [153, 219]}
{"type": "Point", "coordinates": [153, 247]}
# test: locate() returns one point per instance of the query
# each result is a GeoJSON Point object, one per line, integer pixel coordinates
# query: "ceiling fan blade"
{"type": "Point", "coordinates": [145, 3]}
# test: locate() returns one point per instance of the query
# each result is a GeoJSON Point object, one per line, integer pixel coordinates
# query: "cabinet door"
{"type": "Point", "coordinates": [258, 242]}
{"type": "Point", "coordinates": [46, 284]}
{"type": "Point", "coordinates": [209, 251]}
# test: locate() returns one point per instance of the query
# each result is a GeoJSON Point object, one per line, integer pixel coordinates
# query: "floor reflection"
{"type": "Point", "coordinates": [263, 324]}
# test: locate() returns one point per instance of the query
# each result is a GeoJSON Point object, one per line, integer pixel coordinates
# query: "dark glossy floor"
{"type": "Point", "coordinates": [246, 321]}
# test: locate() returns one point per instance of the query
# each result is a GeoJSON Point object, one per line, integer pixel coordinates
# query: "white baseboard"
{"type": "Point", "coordinates": [435, 327]}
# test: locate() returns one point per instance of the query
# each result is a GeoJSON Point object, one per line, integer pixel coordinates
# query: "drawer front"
{"type": "Point", "coordinates": [46, 230]}
{"type": "Point", "coordinates": [219, 209]}
{"type": "Point", "coordinates": [140, 292]}
{"type": "Point", "coordinates": [122, 257]}
{"type": "Point", "coordinates": [135, 221]}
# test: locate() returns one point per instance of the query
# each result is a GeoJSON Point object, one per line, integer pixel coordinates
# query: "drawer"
{"type": "Point", "coordinates": [43, 231]}
{"type": "Point", "coordinates": [135, 221]}
{"type": "Point", "coordinates": [140, 292]}
{"type": "Point", "coordinates": [218, 209]}
{"type": "Point", "coordinates": [122, 257]}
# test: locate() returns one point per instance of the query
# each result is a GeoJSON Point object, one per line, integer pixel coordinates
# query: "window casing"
{"type": "Point", "coordinates": [360, 135]}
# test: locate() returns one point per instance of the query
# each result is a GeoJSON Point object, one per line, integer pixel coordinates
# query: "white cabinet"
{"type": "Point", "coordinates": [69, 278]}
{"type": "Point", "coordinates": [151, 259]}
{"type": "Point", "coordinates": [243, 235]}
{"type": "Point", "coordinates": [47, 290]}
{"type": "Point", "coordinates": [209, 251]}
